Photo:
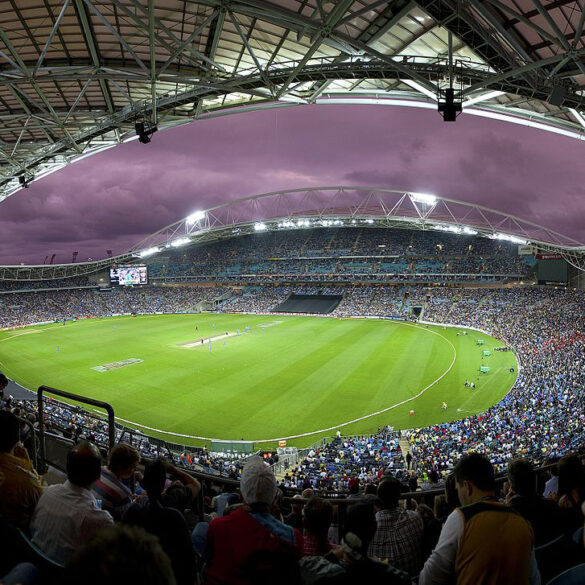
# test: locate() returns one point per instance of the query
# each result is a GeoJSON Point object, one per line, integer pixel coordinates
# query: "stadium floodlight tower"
{"type": "Point", "coordinates": [196, 217]}
{"type": "Point", "coordinates": [424, 203]}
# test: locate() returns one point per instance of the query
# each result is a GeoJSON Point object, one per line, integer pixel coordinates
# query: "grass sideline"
{"type": "Point", "coordinates": [289, 375]}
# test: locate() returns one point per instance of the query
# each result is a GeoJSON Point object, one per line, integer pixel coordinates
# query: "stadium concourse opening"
{"type": "Point", "coordinates": [309, 304]}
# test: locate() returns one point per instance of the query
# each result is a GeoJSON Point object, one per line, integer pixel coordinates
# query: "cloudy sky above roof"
{"type": "Point", "coordinates": [114, 199]}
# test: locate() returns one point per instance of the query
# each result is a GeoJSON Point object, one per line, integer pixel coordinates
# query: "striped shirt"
{"type": "Point", "coordinates": [115, 496]}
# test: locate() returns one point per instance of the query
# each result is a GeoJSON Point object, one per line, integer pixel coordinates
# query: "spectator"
{"type": "Point", "coordinates": [551, 487]}
{"type": "Point", "coordinates": [168, 524]}
{"type": "Point", "coordinates": [360, 527]}
{"type": "Point", "coordinates": [484, 541]}
{"type": "Point", "coordinates": [20, 485]}
{"type": "Point", "coordinates": [399, 534]}
{"type": "Point", "coordinates": [120, 556]}
{"type": "Point", "coordinates": [67, 515]}
{"type": "Point", "coordinates": [295, 518]}
{"type": "Point", "coordinates": [3, 385]}
{"type": "Point", "coordinates": [317, 520]}
{"type": "Point", "coordinates": [113, 485]}
{"type": "Point", "coordinates": [226, 498]}
{"type": "Point", "coordinates": [543, 514]}
{"type": "Point", "coordinates": [250, 546]}
{"type": "Point", "coordinates": [571, 491]}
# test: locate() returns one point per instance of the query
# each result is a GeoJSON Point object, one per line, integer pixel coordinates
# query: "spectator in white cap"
{"type": "Point", "coordinates": [248, 545]}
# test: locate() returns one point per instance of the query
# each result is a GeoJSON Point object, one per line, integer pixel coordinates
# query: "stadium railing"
{"type": "Point", "coordinates": [43, 390]}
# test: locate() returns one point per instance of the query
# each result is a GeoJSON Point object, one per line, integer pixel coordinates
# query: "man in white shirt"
{"type": "Point", "coordinates": [68, 515]}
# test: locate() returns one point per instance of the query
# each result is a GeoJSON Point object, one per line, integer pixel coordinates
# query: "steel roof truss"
{"type": "Point", "coordinates": [207, 22]}
{"type": "Point", "coordinates": [196, 56]}
{"type": "Point", "coordinates": [49, 40]}
{"type": "Point", "coordinates": [561, 40]}
{"type": "Point", "coordinates": [115, 33]}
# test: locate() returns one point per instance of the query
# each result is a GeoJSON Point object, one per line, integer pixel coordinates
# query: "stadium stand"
{"type": "Point", "coordinates": [540, 419]}
{"type": "Point", "coordinates": [345, 255]}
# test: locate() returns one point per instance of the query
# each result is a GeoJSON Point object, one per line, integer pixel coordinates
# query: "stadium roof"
{"type": "Point", "coordinates": [77, 75]}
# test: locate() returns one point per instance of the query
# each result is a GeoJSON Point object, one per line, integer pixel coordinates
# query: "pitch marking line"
{"type": "Point", "coordinates": [27, 332]}
{"type": "Point", "coordinates": [334, 427]}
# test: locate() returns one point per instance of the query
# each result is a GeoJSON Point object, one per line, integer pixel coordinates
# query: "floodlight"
{"type": "Point", "coordinates": [259, 226]}
{"type": "Point", "coordinates": [148, 252]}
{"type": "Point", "coordinates": [144, 130]}
{"type": "Point", "coordinates": [469, 231]}
{"type": "Point", "coordinates": [449, 108]}
{"type": "Point", "coordinates": [424, 198]}
{"type": "Point", "coordinates": [25, 181]}
{"type": "Point", "coordinates": [508, 238]}
{"type": "Point", "coordinates": [180, 242]}
{"type": "Point", "coordinates": [197, 216]}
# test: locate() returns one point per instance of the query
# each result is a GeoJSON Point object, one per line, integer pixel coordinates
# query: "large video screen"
{"type": "Point", "coordinates": [129, 275]}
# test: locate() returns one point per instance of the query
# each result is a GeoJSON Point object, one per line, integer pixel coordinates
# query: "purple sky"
{"type": "Point", "coordinates": [114, 199]}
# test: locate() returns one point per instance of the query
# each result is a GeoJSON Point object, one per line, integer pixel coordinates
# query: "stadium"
{"type": "Point", "coordinates": [369, 343]}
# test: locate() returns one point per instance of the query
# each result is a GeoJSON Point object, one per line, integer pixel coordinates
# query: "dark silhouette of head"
{"type": "Point", "coordinates": [123, 460]}
{"type": "Point", "coordinates": [119, 556]}
{"type": "Point", "coordinates": [84, 464]}
{"type": "Point", "coordinates": [155, 477]}
{"type": "Point", "coordinates": [3, 383]}
{"type": "Point", "coordinates": [389, 492]}
{"type": "Point", "coordinates": [477, 469]}
{"type": "Point", "coordinates": [522, 477]}
{"type": "Point", "coordinates": [9, 431]}
{"type": "Point", "coordinates": [360, 527]}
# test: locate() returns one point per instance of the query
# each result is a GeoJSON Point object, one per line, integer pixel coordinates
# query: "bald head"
{"type": "Point", "coordinates": [84, 464]}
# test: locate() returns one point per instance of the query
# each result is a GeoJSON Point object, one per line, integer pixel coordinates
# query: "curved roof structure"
{"type": "Point", "coordinates": [77, 75]}
{"type": "Point", "coordinates": [318, 207]}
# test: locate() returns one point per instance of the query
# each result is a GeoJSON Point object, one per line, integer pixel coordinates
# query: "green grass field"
{"type": "Point", "coordinates": [287, 376]}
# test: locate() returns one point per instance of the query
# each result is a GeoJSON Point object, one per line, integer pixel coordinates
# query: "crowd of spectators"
{"type": "Point", "coordinates": [345, 255]}
{"type": "Point", "coordinates": [37, 307]}
{"type": "Point", "coordinates": [348, 462]}
{"type": "Point", "coordinates": [107, 520]}
{"type": "Point", "coordinates": [48, 283]}
{"type": "Point", "coordinates": [540, 418]}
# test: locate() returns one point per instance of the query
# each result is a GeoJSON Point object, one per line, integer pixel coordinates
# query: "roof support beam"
{"type": "Point", "coordinates": [196, 57]}
{"type": "Point", "coordinates": [115, 33]}
{"type": "Point", "coordinates": [92, 48]}
{"type": "Point", "coordinates": [49, 41]}
{"type": "Point", "coordinates": [207, 22]}
{"type": "Point", "coordinates": [562, 41]}
{"type": "Point", "coordinates": [246, 42]}
{"type": "Point", "coordinates": [37, 89]}
{"type": "Point", "coordinates": [331, 22]}
{"type": "Point", "coordinates": [152, 60]}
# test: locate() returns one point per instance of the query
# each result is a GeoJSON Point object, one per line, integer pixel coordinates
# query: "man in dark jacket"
{"type": "Point", "coordinates": [542, 513]}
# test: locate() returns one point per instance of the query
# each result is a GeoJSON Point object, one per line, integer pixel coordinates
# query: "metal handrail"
{"type": "Point", "coordinates": [97, 403]}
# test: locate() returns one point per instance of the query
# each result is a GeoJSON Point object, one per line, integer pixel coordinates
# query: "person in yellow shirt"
{"type": "Point", "coordinates": [20, 484]}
